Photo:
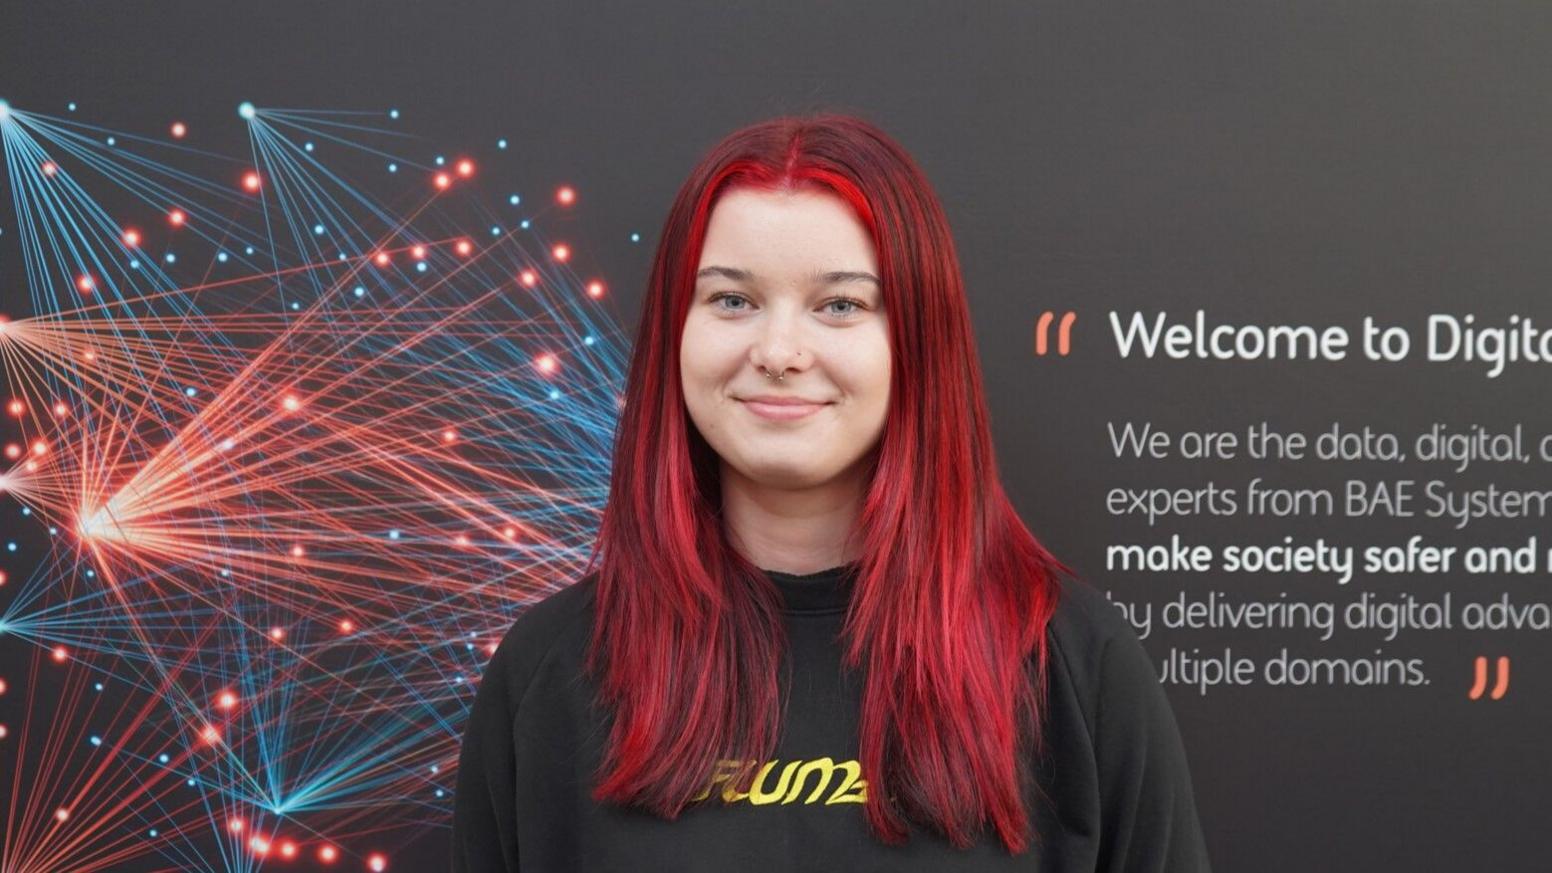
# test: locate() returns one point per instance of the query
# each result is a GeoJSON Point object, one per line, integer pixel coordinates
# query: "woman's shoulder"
{"type": "Point", "coordinates": [558, 621]}
{"type": "Point", "coordinates": [1096, 650]}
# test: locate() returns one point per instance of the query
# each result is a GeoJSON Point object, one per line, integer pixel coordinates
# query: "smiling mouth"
{"type": "Point", "coordinates": [786, 411]}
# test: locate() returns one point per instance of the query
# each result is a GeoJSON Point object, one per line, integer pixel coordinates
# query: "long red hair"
{"type": "Point", "coordinates": [953, 594]}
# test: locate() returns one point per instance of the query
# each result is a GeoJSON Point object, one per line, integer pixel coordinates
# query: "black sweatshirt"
{"type": "Point", "coordinates": [1115, 770]}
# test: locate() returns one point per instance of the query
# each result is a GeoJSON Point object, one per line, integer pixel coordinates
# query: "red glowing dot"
{"type": "Point", "coordinates": [461, 540]}
{"type": "Point", "coordinates": [250, 181]}
{"type": "Point", "coordinates": [85, 284]}
{"type": "Point", "coordinates": [376, 863]}
{"type": "Point", "coordinates": [277, 633]}
{"type": "Point", "coordinates": [546, 363]}
{"type": "Point", "coordinates": [179, 129]}
{"type": "Point", "coordinates": [131, 237]}
{"type": "Point", "coordinates": [3, 732]}
{"type": "Point", "coordinates": [90, 355]}
{"type": "Point", "coordinates": [61, 409]}
{"type": "Point", "coordinates": [39, 447]}
{"type": "Point", "coordinates": [566, 195]}
{"type": "Point", "coordinates": [60, 654]}
{"type": "Point", "coordinates": [259, 845]}
{"type": "Point", "coordinates": [13, 451]}
{"type": "Point", "coordinates": [235, 825]}
{"type": "Point", "coordinates": [561, 252]}
{"type": "Point", "coordinates": [449, 435]}
{"type": "Point", "coordinates": [443, 180]}
{"type": "Point", "coordinates": [418, 253]}
{"type": "Point", "coordinates": [2, 577]}
{"type": "Point", "coordinates": [508, 532]}
{"type": "Point", "coordinates": [2, 686]}
{"type": "Point", "coordinates": [228, 700]}
{"type": "Point", "coordinates": [15, 407]}
{"type": "Point", "coordinates": [290, 403]}
{"type": "Point", "coordinates": [212, 736]}
{"type": "Point", "coordinates": [466, 168]}
{"type": "Point", "coordinates": [61, 814]}
{"type": "Point", "coordinates": [50, 168]}
{"type": "Point", "coordinates": [328, 854]}
{"type": "Point", "coordinates": [382, 259]}
{"type": "Point", "coordinates": [529, 278]}
{"type": "Point", "coordinates": [595, 289]}
{"type": "Point", "coordinates": [176, 217]}
{"type": "Point", "coordinates": [288, 849]}
{"type": "Point", "coordinates": [465, 247]}
{"type": "Point", "coordinates": [346, 626]}
{"type": "Point", "coordinates": [296, 551]}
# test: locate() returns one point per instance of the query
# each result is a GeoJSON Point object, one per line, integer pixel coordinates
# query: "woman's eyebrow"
{"type": "Point", "coordinates": [831, 278]}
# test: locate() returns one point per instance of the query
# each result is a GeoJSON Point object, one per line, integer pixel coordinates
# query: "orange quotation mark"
{"type": "Point", "coordinates": [1063, 332]}
{"type": "Point", "coordinates": [1499, 688]}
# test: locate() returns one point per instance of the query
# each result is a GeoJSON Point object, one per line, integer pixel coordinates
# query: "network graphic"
{"type": "Point", "coordinates": [290, 438]}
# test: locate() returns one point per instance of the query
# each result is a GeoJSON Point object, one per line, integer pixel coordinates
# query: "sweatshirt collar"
{"type": "Point", "coordinates": [822, 591]}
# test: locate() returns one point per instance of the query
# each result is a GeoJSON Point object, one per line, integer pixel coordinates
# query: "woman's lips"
{"type": "Point", "coordinates": [782, 411]}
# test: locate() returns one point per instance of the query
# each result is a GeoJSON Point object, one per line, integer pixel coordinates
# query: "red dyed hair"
{"type": "Point", "coordinates": [947, 621]}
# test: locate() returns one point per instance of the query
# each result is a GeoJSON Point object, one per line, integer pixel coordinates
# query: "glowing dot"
{"type": "Point", "coordinates": [13, 451]}
{"type": "Point", "coordinates": [288, 849]}
{"type": "Point", "coordinates": [360, 291]}
{"type": "Point", "coordinates": [277, 634]}
{"type": "Point", "coordinates": [170, 258]}
{"type": "Point", "coordinates": [3, 732]}
{"type": "Point", "coordinates": [2, 686]}
{"type": "Point", "coordinates": [393, 113]}
{"type": "Point", "coordinates": [449, 435]}
{"type": "Point", "coordinates": [346, 626]}
{"type": "Point", "coordinates": [465, 247]}
{"type": "Point", "coordinates": [96, 741]}
{"type": "Point", "coordinates": [228, 700]}
{"type": "Point", "coordinates": [61, 409]}
{"type": "Point", "coordinates": [440, 160]}
{"type": "Point", "coordinates": [418, 253]}
{"type": "Point", "coordinates": [177, 217]}
{"type": "Point", "coordinates": [61, 814]}
{"type": "Point", "coordinates": [290, 403]}
{"type": "Point", "coordinates": [2, 577]}
{"type": "Point", "coordinates": [443, 180]}
{"type": "Point", "coordinates": [595, 289]}
{"type": "Point", "coordinates": [465, 168]}
{"type": "Point", "coordinates": [509, 532]}
{"type": "Point", "coordinates": [317, 230]}
{"type": "Point", "coordinates": [529, 278]}
{"type": "Point", "coordinates": [328, 854]}
{"type": "Point", "coordinates": [308, 146]}
{"type": "Point", "coordinates": [546, 363]}
{"type": "Point", "coordinates": [85, 284]}
{"type": "Point", "coordinates": [60, 654]}
{"type": "Point", "coordinates": [382, 259]}
{"type": "Point", "coordinates": [514, 200]}
{"type": "Point", "coordinates": [259, 845]}
{"type": "Point", "coordinates": [235, 825]}
{"type": "Point", "coordinates": [179, 129]}
{"type": "Point", "coordinates": [246, 109]}
{"type": "Point", "coordinates": [566, 195]}
{"type": "Point", "coordinates": [635, 237]}
{"type": "Point", "coordinates": [376, 863]}
{"type": "Point", "coordinates": [251, 181]}
{"type": "Point", "coordinates": [501, 143]}
{"type": "Point", "coordinates": [50, 168]}
{"type": "Point", "coordinates": [131, 237]}
{"type": "Point", "coordinates": [393, 168]}
{"type": "Point", "coordinates": [561, 252]}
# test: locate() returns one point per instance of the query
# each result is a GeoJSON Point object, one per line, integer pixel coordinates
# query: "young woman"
{"type": "Point", "coordinates": [813, 633]}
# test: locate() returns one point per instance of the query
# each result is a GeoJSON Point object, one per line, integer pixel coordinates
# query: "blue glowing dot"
{"type": "Point", "coordinates": [53, 531]}
{"type": "Point", "coordinates": [72, 106]}
{"type": "Point", "coordinates": [635, 237]}
{"type": "Point", "coordinates": [439, 792]}
{"type": "Point", "coordinates": [393, 168]}
{"type": "Point", "coordinates": [421, 266]}
{"type": "Point", "coordinates": [246, 109]}
{"type": "Point", "coordinates": [171, 258]}
{"type": "Point", "coordinates": [162, 757]}
{"type": "Point", "coordinates": [96, 741]}
{"type": "Point", "coordinates": [191, 783]}
{"type": "Point", "coordinates": [501, 143]}
{"type": "Point", "coordinates": [226, 573]}
{"type": "Point", "coordinates": [524, 225]}
{"type": "Point", "coordinates": [188, 392]}
{"type": "Point", "coordinates": [221, 256]}
{"type": "Point", "coordinates": [318, 229]}
{"type": "Point", "coordinates": [10, 547]}
{"type": "Point", "coordinates": [98, 686]}
{"type": "Point", "coordinates": [26, 510]}
{"type": "Point", "coordinates": [441, 160]}
{"type": "Point", "coordinates": [495, 231]}
{"type": "Point", "coordinates": [393, 535]}
{"type": "Point", "coordinates": [249, 250]}
{"type": "Point", "coordinates": [308, 146]}
{"type": "Point", "coordinates": [295, 305]}
{"type": "Point", "coordinates": [469, 646]}
{"type": "Point", "coordinates": [342, 256]}
{"type": "Point", "coordinates": [91, 574]}
{"type": "Point", "coordinates": [153, 832]}
{"type": "Point", "coordinates": [393, 113]}
{"type": "Point", "coordinates": [134, 263]}
{"type": "Point", "coordinates": [112, 140]}
{"type": "Point", "coordinates": [554, 394]}
{"type": "Point", "coordinates": [587, 341]}
{"type": "Point", "coordinates": [457, 680]}
{"type": "Point", "coordinates": [360, 292]}
{"type": "Point", "coordinates": [435, 769]}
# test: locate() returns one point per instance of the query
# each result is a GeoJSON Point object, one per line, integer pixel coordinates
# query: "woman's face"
{"type": "Point", "coordinates": [770, 292]}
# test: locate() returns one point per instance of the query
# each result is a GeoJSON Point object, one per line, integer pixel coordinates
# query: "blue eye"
{"type": "Point", "coordinates": [855, 304]}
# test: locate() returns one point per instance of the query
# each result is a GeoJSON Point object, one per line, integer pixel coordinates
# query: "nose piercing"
{"type": "Point", "coordinates": [777, 378]}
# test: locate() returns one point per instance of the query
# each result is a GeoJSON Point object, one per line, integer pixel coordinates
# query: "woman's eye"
{"type": "Point", "coordinates": [850, 305]}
